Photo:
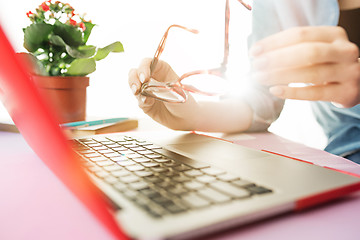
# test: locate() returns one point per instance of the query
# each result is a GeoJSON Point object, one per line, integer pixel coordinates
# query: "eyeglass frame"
{"type": "Point", "coordinates": [177, 86]}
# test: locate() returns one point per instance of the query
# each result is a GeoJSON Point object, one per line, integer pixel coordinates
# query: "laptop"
{"type": "Point", "coordinates": [166, 185]}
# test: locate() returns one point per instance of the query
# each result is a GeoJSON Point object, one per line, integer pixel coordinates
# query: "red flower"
{"type": "Point", "coordinates": [45, 7]}
{"type": "Point", "coordinates": [82, 26]}
{"type": "Point", "coordinates": [29, 13]}
{"type": "Point", "coordinates": [72, 22]}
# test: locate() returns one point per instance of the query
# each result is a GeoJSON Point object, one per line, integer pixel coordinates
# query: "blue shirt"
{"type": "Point", "coordinates": [341, 125]}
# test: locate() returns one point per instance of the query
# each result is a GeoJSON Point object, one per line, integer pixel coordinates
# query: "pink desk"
{"type": "Point", "coordinates": [36, 205]}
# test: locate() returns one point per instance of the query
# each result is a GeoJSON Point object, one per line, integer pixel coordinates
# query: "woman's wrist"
{"type": "Point", "coordinates": [227, 116]}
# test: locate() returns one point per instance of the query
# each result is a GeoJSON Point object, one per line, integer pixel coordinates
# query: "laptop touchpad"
{"type": "Point", "coordinates": [215, 151]}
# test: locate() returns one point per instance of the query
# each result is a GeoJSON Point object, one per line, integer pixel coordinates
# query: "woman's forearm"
{"type": "Point", "coordinates": [228, 116]}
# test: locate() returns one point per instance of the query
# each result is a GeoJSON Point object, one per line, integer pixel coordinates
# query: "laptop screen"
{"type": "Point", "coordinates": [39, 127]}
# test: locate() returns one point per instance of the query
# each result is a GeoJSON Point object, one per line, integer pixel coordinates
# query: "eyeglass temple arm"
{"type": "Point", "coordinates": [161, 46]}
{"type": "Point", "coordinates": [226, 44]}
{"type": "Point", "coordinates": [248, 7]}
{"type": "Point", "coordinates": [209, 71]}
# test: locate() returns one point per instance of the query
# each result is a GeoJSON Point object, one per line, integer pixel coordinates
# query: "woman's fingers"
{"type": "Point", "coordinates": [315, 74]}
{"type": "Point", "coordinates": [321, 57]}
{"type": "Point", "coordinates": [140, 75]}
{"type": "Point", "coordinates": [347, 96]}
{"type": "Point", "coordinates": [294, 36]}
{"type": "Point", "coordinates": [306, 54]}
{"type": "Point", "coordinates": [311, 93]}
{"type": "Point", "coordinates": [145, 103]}
{"type": "Point", "coordinates": [143, 70]}
{"type": "Point", "coordinates": [134, 81]}
{"type": "Point", "coordinates": [339, 83]}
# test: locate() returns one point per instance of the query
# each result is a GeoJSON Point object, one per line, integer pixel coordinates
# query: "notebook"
{"type": "Point", "coordinates": [120, 126]}
{"type": "Point", "coordinates": [164, 185]}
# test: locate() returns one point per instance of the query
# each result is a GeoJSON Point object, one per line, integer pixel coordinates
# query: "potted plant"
{"type": "Point", "coordinates": [59, 58]}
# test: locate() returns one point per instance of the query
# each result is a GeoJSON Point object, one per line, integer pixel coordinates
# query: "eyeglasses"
{"type": "Point", "coordinates": [206, 82]}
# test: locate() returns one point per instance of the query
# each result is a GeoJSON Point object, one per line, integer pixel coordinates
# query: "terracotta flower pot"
{"type": "Point", "coordinates": [67, 95]}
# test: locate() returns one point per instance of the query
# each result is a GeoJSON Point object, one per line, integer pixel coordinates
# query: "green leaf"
{"type": "Point", "coordinates": [88, 27]}
{"type": "Point", "coordinates": [32, 64]}
{"type": "Point", "coordinates": [81, 67]}
{"type": "Point", "coordinates": [86, 51]}
{"type": "Point", "coordinates": [70, 34]}
{"type": "Point", "coordinates": [36, 36]}
{"type": "Point", "coordinates": [57, 40]}
{"type": "Point", "coordinates": [75, 52]}
{"type": "Point", "coordinates": [103, 52]}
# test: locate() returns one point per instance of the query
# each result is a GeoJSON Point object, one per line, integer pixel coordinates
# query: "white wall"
{"type": "Point", "coordinates": [139, 25]}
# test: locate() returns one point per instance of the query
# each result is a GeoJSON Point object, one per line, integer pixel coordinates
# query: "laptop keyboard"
{"type": "Point", "coordinates": [160, 181]}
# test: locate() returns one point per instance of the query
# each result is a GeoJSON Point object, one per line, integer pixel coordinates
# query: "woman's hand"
{"type": "Point", "coordinates": [178, 116]}
{"type": "Point", "coordinates": [321, 57]}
